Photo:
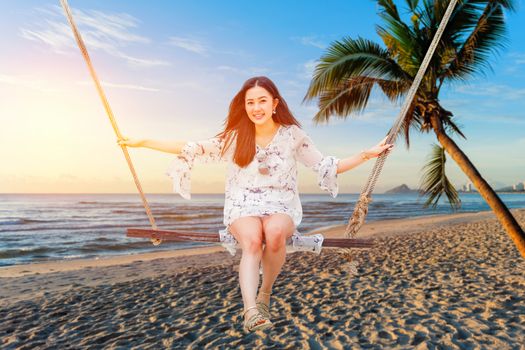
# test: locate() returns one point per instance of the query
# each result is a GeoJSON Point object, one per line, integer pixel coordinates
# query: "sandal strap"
{"type": "Point", "coordinates": [264, 309]}
{"type": "Point", "coordinates": [248, 309]}
{"type": "Point", "coordinates": [261, 292]}
{"type": "Point", "coordinates": [263, 306]}
{"type": "Point", "coordinates": [261, 303]}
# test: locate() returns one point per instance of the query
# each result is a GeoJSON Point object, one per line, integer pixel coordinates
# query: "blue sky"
{"type": "Point", "coordinates": [170, 69]}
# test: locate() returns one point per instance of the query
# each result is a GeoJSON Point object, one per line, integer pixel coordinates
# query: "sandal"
{"type": "Point", "coordinates": [256, 322]}
{"type": "Point", "coordinates": [263, 308]}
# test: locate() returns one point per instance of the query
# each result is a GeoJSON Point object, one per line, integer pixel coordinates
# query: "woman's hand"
{"type": "Point", "coordinates": [125, 141]}
{"type": "Point", "coordinates": [377, 149]}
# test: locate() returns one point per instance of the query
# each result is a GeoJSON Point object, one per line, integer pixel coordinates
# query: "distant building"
{"type": "Point", "coordinates": [468, 187]}
{"type": "Point", "coordinates": [520, 186]}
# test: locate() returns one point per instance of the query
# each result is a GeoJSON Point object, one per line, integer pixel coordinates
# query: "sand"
{"type": "Point", "coordinates": [441, 282]}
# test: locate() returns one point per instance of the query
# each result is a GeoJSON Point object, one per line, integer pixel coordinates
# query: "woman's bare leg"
{"type": "Point", "coordinates": [248, 232]}
{"type": "Point", "coordinates": [277, 228]}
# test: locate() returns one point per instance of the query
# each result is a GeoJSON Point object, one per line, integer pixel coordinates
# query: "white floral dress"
{"type": "Point", "coordinates": [250, 193]}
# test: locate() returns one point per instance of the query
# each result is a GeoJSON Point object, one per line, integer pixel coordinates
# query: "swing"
{"type": "Point", "coordinates": [297, 242]}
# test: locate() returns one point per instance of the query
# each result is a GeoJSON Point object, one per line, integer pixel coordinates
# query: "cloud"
{"type": "Point", "coordinates": [121, 86]}
{"type": "Point", "coordinates": [142, 62]}
{"type": "Point", "coordinates": [100, 31]}
{"type": "Point", "coordinates": [308, 68]}
{"type": "Point", "coordinates": [312, 40]}
{"type": "Point", "coordinates": [202, 48]}
{"type": "Point", "coordinates": [25, 82]}
{"type": "Point", "coordinates": [498, 91]}
{"type": "Point", "coordinates": [188, 44]}
{"type": "Point", "coordinates": [519, 58]}
{"type": "Point", "coordinates": [498, 119]}
{"type": "Point", "coordinates": [378, 112]}
{"type": "Point", "coordinates": [249, 71]}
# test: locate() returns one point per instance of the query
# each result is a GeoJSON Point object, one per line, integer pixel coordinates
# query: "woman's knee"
{"type": "Point", "coordinates": [248, 232]}
{"type": "Point", "coordinates": [275, 239]}
{"type": "Point", "coordinates": [277, 230]}
{"type": "Point", "coordinates": [252, 246]}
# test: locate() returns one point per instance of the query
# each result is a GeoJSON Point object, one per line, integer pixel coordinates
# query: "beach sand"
{"type": "Point", "coordinates": [440, 282]}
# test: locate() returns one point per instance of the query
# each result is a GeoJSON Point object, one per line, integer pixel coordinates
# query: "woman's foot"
{"type": "Point", "coordinates": [254, 320]}
{"type": "Point", "coordinates": [263, 303]}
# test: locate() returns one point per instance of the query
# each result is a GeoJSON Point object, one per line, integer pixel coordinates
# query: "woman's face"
{"type": "Point", "coordinates": [259, 105]}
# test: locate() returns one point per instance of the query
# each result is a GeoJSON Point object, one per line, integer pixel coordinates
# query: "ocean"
{"type": "Point", "coordinates": [44, 227]}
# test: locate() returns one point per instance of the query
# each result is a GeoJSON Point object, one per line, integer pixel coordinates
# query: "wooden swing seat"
{"type": "Point", "coordinates": [181, 236]}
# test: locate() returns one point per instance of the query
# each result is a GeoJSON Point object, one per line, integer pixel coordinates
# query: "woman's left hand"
{"type": "Point", "coordinates": [378, 149]}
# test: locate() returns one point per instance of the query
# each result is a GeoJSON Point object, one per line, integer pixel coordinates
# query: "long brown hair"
{"type": "Point", "coordinates": [239, 127]}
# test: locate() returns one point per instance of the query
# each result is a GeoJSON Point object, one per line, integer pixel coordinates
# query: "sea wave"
{"type": "Point", "coordinates": [23, 221]}
{"type": "Point", "coordinates": [26, 251]}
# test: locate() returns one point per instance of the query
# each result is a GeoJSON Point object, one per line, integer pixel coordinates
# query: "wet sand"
{"type": "Point", "coordinates": [441, 282]}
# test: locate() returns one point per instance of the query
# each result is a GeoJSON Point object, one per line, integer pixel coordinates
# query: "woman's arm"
{"type": "Point", "coordinates": [346, 164]}
{"type": "Point", "coordinates": [163, 146]}
{"type": "Point", "coordinates": [358, 159]}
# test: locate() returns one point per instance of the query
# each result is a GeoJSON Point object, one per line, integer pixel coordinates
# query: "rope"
{"type": "Point", "coordinates": [109, 112]}
{"type": "Point", "coordinates": [361, 208]}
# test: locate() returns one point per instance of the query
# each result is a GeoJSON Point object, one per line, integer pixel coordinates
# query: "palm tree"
{"type": "Point", "coordinates": [346, 74]}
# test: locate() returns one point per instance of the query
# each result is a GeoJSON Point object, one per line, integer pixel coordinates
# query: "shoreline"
{"type": "Point", "coordinates": [374, 229]}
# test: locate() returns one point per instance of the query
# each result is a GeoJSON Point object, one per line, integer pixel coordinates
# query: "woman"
{"type": "Point", "coordinates": [261, 142]}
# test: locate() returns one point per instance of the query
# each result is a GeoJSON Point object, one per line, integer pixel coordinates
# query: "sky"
{"type": "Point", "coordinates": [170, 69]}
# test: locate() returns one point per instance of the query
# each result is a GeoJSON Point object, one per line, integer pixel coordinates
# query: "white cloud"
{"type": "Point", "coordinates": [311, 40]}
{"type": "Point", "coordinates": [249, 71]}
{"type": "Point", "coordinates": [100, 31]}
{"type": "Point", "coordinates": [519, 58]}
{"type": "Point", "coordinates": [121, 86]}
{"type": "Point", "coordinates": [308, 69]}
{"type": "Point", "coordinates": [498, 91]}
{"type": "Point", "coordinates": [379, 112]}
{"type": "Point", "coordinates": [188, 44]}
{"type": "Point", "coordinates": [143, 62]}
{"type": "Point", "coordinates": [111, 27]}
{"type": "Point", "coordinates": [26, 82]}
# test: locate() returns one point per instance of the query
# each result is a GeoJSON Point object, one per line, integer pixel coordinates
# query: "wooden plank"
{"type": "Point", "coordinates": [181, 236]}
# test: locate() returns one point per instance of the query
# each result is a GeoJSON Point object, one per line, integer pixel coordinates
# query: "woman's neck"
{"type": "Point", "coordinates": [266, 129]}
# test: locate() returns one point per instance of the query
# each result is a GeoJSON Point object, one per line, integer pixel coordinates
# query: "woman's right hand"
{"type": "Point", "coordinates": [126, 141]}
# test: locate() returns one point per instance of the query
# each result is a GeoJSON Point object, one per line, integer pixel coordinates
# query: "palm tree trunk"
{"type": "Point", "coordinates": [498, 207]}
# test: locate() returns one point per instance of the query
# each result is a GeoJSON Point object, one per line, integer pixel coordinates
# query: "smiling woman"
{"type": "Point", "coordinates": [261, 143]}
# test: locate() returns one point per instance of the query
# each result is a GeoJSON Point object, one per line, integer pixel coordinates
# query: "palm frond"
{"type": "Point", "coordinates": [451, 126]}
{"type": "Point", "coordinates": [389, 9]}
{"type": "Point", "coordinates": [435, 182]}
{"type": "Point", "coordinates": [353, 94]}
{"type": "Point", "coordinates": [412, 5]}
{"type": "Point", "coordinates": [485, 39]}
{"type": "Point", "coordinates": [398, 37]}
{"type": "Point", "coordinates": [349, 96]}
{"type": "Point", "coordinates": [348, 59]}
{"type": "Point", "coordinates": [412, 120]}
